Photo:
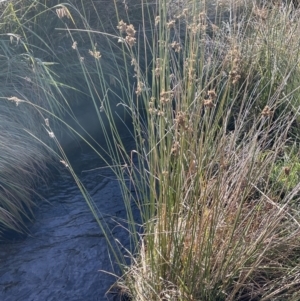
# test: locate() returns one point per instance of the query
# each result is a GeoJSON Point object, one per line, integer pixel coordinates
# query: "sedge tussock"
{"type": "Point", "coordinates": [213, 95]}
{"type": "Point", "coordinates": [217, 126]}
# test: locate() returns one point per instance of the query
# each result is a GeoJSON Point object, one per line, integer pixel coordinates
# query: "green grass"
{"type": "Point", "coordinates": [212, 91]}
{"type": "Point", "coordinates": [213, 227]}
{"type": "Point", "coordinates": [42, 79]}
{"type": "Point", "coordinates": [24, 79]}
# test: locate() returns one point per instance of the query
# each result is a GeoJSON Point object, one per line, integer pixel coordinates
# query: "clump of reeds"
{"type": "Point", "coordinates": [215, 108]}
{"type": "Point", "coordinates": [213, 121]}
{"type": "Point", "coordinates": [221, 114]}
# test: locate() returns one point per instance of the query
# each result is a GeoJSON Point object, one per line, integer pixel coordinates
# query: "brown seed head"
{"type": "Point", "coordinates": [212, 94]}
{"type": "Point", "coordinates": [130, 40]}
{"type": "Point", "coordinates": [208, 103]}
{"type": "Point", "coordinates": [175, 148]}
{"type": "Point", "coordinates": [171, 24]}
{"type": "Point", "coordinates": [130, 30]}
{"type": "Point", "coordinates": [139, 89]}
{"type": "Point", "coordinates": [166, 97]}
{"type": "Point", "coordinates": [160, 113]}
{"type": "Point", "coordinates": [122, 26]}
{"type": "Point", "coordinates": [180, 119]}
{"type": "Point", "coordinates": [157, 72]}
{"type": "Point", "coordinates": [266, 112]}
{"type": "Point", "coordinates": [176, 46]}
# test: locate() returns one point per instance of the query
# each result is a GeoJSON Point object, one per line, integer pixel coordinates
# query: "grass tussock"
{"type": "Point", "coordinates": [26, 85]}
{"type": "Point", "coordinates": [221, 216]}
{"type": "Point", "coordinates": [215, 112]}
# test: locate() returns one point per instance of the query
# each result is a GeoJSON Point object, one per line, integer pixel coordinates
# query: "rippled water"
{"type": "Point", "coordinates": [62, 256]}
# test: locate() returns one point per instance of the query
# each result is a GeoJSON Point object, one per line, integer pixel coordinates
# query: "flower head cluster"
{"type": "Point", "coordinates": [209, 103]}
{"type": "Point", "coordinates": [129, 30]}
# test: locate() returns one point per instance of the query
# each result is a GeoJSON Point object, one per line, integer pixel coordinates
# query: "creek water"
{"type": "Point", "coordinates": [65, 253]}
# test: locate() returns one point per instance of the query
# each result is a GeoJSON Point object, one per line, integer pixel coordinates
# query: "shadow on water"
{"type": "Point", "coordinates": [64, 251]}
{"type": "Point", "coordinates": [82, 159]}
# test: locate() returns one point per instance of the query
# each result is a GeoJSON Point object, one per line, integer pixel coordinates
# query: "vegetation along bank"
{"type": "Point", "coordinates": [212, 91]}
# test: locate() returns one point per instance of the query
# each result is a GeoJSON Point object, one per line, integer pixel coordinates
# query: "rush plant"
{"type": "Point", "coordinates": [212, 93]}
{"type": "Point", "coordinates": [213, 106]}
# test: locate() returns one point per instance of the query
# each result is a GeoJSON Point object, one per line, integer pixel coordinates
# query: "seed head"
{"type": "Point", "coordinates": [235, 76]}
{"type": "Point", "coordinates": [157, 72]}
{"type": "Point", "coordinates": [157, 20]}
{"type": "Point", "coordinates": [62, 12]}
{"type": "Point", "coordinates": [176, 46]}
{"type": "Point", "coordinates": [130, 30]}
{"type": "Point", "coordinates": [122, 26]}
{"type": "Point", "coordinates": [208, 103]}
{"type": "Point", "coordinates": [160, 113]}
{"type": "Point", "coordinates": [165, 173]}
{"type": "Point", "coordinates": [130, 40]}
{"type": "Point", "coordinates": [175, 148]}
{"type": "Point", "coordinates": [95, 54]}
{"type": "Point", "coordinates": [180, 119]}
{"type": "Point", "coordinates": [266, 112]}
{"type": "Point", "coordinates": [212, 94]}
{"type": "Point", "coordinates": [140, 88]}
{"type": "Point", "coordinates": [74, 46]}
{"type": "Point", "coordinates": [171, 24]}
{"type": "Point", "coordinates": [166, 97]}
